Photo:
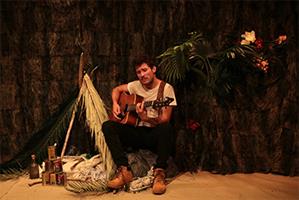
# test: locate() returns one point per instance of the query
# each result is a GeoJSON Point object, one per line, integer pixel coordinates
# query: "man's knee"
{"type": "Point", "coordinates": [107, 126]}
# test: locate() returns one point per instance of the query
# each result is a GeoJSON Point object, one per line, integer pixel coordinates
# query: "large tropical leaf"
{"type": "Point", "coordinates": [175, 62]}
{"type": "Point", "coordinates": [190, 56]}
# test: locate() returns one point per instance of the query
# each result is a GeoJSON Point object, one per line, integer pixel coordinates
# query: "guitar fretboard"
{"type": "Point", "coordinates": [132, 107]}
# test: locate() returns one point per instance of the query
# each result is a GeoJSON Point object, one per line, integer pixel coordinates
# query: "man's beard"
{"type": "Point", "coordinates": [147, 82]}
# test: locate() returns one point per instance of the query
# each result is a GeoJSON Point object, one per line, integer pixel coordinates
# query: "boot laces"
{"type": "Point", "coordinates": [119, 173]}
{"type": "Point", "coordinates": [159, 176]}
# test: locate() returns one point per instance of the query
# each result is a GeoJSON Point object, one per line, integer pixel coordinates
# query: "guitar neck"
{"type": "Point", "coordinates": [132, 107]}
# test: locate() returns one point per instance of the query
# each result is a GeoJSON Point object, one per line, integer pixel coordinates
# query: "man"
{"type": "Point", "coordinates": [153, 130]}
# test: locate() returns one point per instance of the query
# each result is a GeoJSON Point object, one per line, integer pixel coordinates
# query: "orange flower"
{"type": "Point", "coordinates": [281, 39]}
{"type": "Point", "coordinates": [262, 64]}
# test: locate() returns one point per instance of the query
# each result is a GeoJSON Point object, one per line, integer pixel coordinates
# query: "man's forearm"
{"type": "Point", "coordinates": [153, 121]}
{"type": "Point", "coordinates": [117, 91]}
{"type": "Point", "coordinates": [115, 95]}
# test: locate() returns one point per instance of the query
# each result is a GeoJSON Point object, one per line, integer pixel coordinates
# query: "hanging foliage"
{"type": "Point", "coordinates": [195, 61]}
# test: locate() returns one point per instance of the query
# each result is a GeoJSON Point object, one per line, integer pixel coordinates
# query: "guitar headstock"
{"type": "Point", "coordinates": [162, 103]}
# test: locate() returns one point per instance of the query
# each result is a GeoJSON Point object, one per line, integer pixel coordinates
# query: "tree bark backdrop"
{"type": "Point", "coordinates": [41, 43]}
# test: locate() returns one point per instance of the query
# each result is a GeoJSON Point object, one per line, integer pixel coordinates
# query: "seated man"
{"type": "Point", "coordinates": [152, 131]}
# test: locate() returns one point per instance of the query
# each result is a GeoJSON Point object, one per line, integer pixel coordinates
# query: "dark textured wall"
{"type": "Point", "coordinates": [41, 42]}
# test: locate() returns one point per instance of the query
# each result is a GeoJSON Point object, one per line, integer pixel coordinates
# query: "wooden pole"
{"type": "Point", "coordinates": [80, 78]}
{"type": "Point", "coordinates": [81, 67]}
{"type": "Point", "coordinates": [68, 133]}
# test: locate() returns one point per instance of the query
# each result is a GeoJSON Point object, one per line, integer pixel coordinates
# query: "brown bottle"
{"type": "Point", "coordinates": [33, 169]}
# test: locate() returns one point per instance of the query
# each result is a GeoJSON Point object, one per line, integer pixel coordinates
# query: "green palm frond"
{"type": "Point", "coordinates": [231, 65]}
{"type": "Point", "coordinates": [52, 131]}
{"type": "Point", "coordinates": [191, 56]}
{"type": "Point", "coordinates": [175, 62]}
{"type": "Point", "coordinates": [12, 174]}
{"type": "Point", "coordinates": [197, 60]}
{"type": "Point", "coordinates": [203, 68]}
{"type": "Point", "coordinates": [240, 51]}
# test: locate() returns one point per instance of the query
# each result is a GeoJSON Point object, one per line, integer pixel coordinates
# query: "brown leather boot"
{"type": "Point", "coordinates": [159, 185]}
{"type": "Point", "coordinates": [123, 176]}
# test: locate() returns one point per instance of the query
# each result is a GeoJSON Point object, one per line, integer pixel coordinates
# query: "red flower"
{"type": "Point", "coordinates": [259, 43]}
{"type": "Point", "coordinates": [192, 125]}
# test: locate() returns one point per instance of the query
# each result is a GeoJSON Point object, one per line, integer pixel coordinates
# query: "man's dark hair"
{"type": "Point", "coordinates": [144, 59]}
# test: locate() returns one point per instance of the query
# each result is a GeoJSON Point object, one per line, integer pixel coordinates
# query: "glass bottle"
{"type": "Point", "coordinates": [33, 170]}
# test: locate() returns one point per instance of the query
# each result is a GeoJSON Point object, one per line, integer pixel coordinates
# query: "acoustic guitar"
{"type": "Point", "coordinates": [127, 103]}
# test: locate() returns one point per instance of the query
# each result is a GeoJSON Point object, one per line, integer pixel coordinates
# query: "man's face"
{"type": "Point", "coordinates": [145, 74]}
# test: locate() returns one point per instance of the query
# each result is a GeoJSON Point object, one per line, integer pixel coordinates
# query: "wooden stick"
{"type": "Point", "coordinates": [81, 67]}
{"type": "Point", "coordinates": [68, 134]}
{"type": "Point", "coordinates": [34, 183]}
{"type": "Point", "coordinates": [80, 76]}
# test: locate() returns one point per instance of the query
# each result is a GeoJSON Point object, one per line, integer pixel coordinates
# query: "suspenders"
{"type": "Point", "coordinates": [161, 91]}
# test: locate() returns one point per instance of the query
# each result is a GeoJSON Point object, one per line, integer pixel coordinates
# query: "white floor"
{"type": "Point", "coordinates": [200, 186]}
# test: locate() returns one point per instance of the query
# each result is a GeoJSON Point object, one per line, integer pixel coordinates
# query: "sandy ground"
{"type": "Point", "coordinates": [203, 185]}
